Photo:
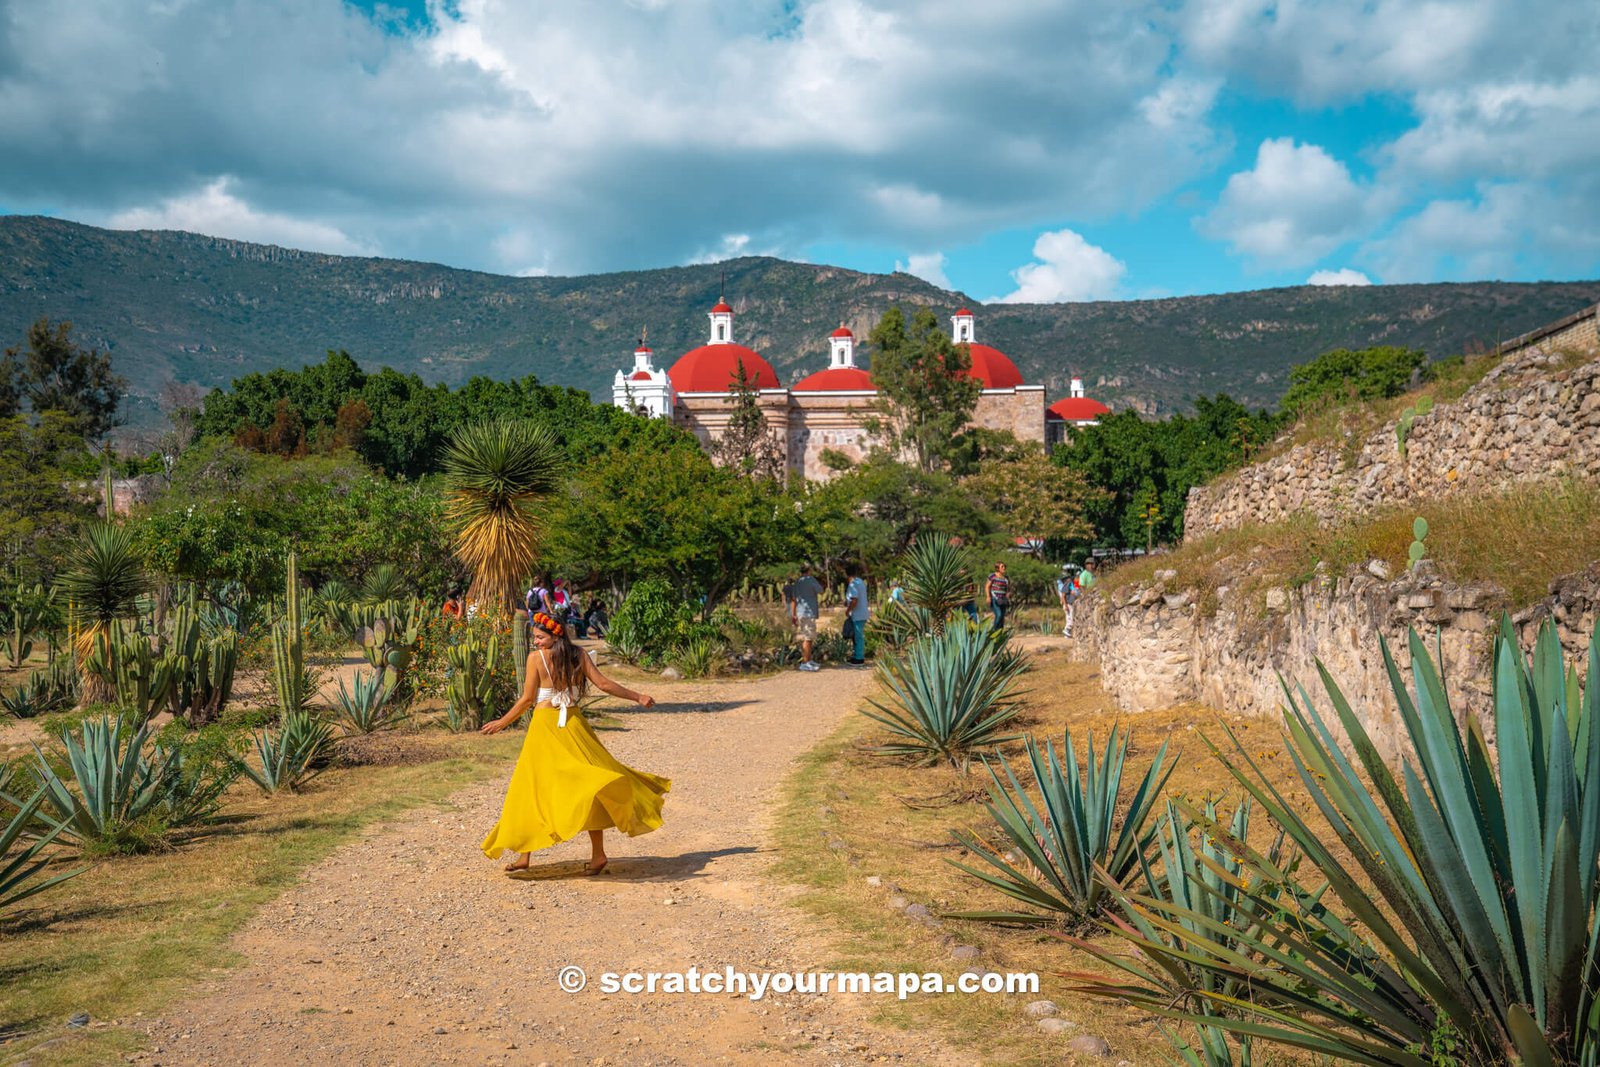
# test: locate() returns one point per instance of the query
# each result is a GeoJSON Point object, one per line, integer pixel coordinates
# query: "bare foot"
{"type": "Point", "coordinates": [518, 864]}
{"type": "Point", "coordinates": [595, 868]}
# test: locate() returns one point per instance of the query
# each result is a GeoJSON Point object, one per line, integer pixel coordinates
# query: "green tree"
{"type": "Point", "coordinates": [51, 373]}
{"type": "Point", "coordinates": [1033, 497]}
{"type": "Point", "coordinates": [925, 394]}
{"type": "Point", "coordinates": [1342, 376]}
{"type": "Point", "coordinates": [39, 508]}
{"type": "Point", "coordinates": [748, 445]}
{"type": "Point", "coordinates": [674, 515]}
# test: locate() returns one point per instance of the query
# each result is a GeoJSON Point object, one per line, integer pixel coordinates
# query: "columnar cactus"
{"type": "Point", "coordinates": [288, 648]}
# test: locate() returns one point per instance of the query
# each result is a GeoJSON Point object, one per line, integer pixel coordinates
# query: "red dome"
{"type": "Point", "coordinates": [639, 376]}
{"type": "Point", "coordinates": [1076, 409]}
{"type": "Point", "coordinates": [965, 312]}
{"type": "Point", "coordinates": [713, 368]}
{"type": "Point", "coordinates": [836, 380]}
{"type": "Point", "coordinates": [993, 368]}
{"type": "Point", "coordinates": [722, 308]}
{"type": "Point", "coordinates": [842, 332]}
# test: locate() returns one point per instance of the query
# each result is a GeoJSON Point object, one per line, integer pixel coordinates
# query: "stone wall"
{"type": "Point", "coordinates": [1156, 648]}
{"type": "Point", "coordinates": [1019, 411]}
{"type": "Point", "coordinates": [1536, 414]}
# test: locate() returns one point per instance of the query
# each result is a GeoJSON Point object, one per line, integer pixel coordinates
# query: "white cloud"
{"type": "Point", "coordinates": [1295, 206]}
{"type": "Point", "coordinates": [928, 266]}
{"type": "Point", "coordinates": [1067, 268]}
{"type": "Point", "coordinates": [215, 211]}
{"type": "Point", "coordinates": [1343, 276]}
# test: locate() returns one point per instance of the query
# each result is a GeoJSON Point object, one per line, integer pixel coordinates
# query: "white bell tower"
{"type": "Point", "coordinates": [841, 348]}
{"type": "Point", "coordinates": [721, 324]}
{"type": "Point", "coordinates": [643, 390]}
{"type": "Point", "coordinates": [961, 327]}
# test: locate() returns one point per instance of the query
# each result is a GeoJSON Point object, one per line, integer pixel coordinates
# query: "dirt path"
{"type": "Point", "coordinates": [410, 947]}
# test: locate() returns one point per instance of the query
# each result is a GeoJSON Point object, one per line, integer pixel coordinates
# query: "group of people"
{"type": "Point", "coordinates": [553, 599]}
{"type": "Point", "coordinates": [1073, 583]}
{"type": "Point", "coordinates": [801, 597]}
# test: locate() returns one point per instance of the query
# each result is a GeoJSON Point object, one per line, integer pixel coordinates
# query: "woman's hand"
{"type": "Point", "coordinates": [494, 726]}
{"type": "Point", "coordinates": [645, 700]}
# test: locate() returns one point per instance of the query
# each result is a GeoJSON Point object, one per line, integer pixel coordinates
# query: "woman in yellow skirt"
{"type": "Point", "coordinates": [565, 781]}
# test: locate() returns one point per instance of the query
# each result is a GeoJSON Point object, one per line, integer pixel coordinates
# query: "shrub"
{"type": "Point", "coordinates": [1462, 926]}
{"type": "Point", "coordinates": [1078, 848]}
{"type": "Point", "coordinates": [654, 624]}
{"type": "Point", "coordinates": [949, 694]}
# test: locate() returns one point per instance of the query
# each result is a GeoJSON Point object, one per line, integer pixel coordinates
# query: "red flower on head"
{"type": "Point", "coordinates": [547, 624]}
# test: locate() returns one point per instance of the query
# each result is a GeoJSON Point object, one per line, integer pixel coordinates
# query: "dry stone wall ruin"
{"type": "Point", "coordinates": [1537, 414]}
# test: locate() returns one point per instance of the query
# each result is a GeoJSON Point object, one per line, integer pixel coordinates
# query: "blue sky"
{"type": "Point", "coordinates": [1028, 150]}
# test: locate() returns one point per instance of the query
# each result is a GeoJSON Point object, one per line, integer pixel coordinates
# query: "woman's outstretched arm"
{"type": "Point", "coordinates": [606, 685]}
{"type": "Point", "coordinates": [529, 697]}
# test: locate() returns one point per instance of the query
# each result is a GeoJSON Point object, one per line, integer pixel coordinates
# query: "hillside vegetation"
{"type": "Point", "coordinates": [182, 307]}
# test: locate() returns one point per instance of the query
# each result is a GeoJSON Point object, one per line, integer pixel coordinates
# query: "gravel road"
{"type": "Point", "coordinates": [407, 946]}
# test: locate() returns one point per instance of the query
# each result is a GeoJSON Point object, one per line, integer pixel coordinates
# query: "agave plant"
{"type": "Point", "coordinates": [699, 656]}
{"type": "Point", "coordinates": [1200, 889]}
{"type": "Point", "coordinates": [384, 582]}
{"type": "Point", "coordinates": [21, 861]}
{"type": "Point", "coordinates": [126, 799]}
{"type": "Point", "coordinates": [292, 755]}
{"type": "Point", "coordinates": [1472, 932]}
{"type": "Point", "coordinates": [949, 694]}
{"type": "Point", "coordinates": [496, 474]}
{"type": "Point", "coordinates": [54, 688]}
{"type": "Point", "coordinates": [1075, 850]}
{"type": "Point", "coordinates": [102, 580]}
{"type": "Point", "coordinates": [365, 708]}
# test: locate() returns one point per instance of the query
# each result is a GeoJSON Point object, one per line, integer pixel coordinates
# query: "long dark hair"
{"type": "Point", "coordinates": [565, 658]}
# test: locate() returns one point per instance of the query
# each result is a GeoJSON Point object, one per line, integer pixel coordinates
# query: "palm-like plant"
{"type": "Point", "coordinates": [1470, 933]}
{"type": "Point", "coordinates": [497, 473]}
{"type": "Point", "coordinates": [938, 579]}
{"type": "Point", "coordinates": [103, 578]}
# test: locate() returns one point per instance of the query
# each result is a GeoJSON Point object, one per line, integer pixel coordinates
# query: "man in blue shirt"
{"type": "Point", "coordinates": [855, 612]}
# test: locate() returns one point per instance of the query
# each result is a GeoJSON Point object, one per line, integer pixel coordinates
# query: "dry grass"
{"type": "Point", "coordinates": [131, 932]}
{"type": "Point", "coordinates": [1349, 425]}
{"type": "Point", "coordinates": [897, 821]}
{"type": "Point", "coordinates": [1521, 538]}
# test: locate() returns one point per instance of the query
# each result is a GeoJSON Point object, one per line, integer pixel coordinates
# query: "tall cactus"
{"type": "Point", "coordinates": [471, 684]}
{"type": "Point", "coordinates": [202, 668]}
{"type": "Point", "coordinates": [28, 612]}
{"type": "Point", "coordinates": [288, 647]}
{"type": "Point", "coordinates": [141, 679]}
{"type": "Point", "coordinates": [519, 646]}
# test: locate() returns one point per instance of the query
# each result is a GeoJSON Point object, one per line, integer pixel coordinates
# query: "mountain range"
{"type": "Point", "coordinates": [181, 307]}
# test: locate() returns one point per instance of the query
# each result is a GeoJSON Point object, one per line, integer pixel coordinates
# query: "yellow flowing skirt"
{"type": "Point", "coordinates": [565, 782]}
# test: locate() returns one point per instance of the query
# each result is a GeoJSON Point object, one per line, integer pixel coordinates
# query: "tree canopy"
{"type": "Point", "coordinates": [49, 372]}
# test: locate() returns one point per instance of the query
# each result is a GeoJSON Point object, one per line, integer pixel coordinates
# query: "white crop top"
{"type": "Point", "coordinates": [560, 699]}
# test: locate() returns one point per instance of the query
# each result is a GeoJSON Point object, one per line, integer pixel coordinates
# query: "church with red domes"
{"type": "Point", "coordinates": [827, 408]}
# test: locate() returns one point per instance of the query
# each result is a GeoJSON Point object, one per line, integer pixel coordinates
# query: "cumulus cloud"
{"type": "Point", "coordinates": [1066, 268]}
{"type": "Point", "coordinates": [1296, 205]}
{"type": "Point", "coordinates": [619, 135]}
{"type": "Point", "coordinates": [215, 211]}
{"type": "Point", "coordinates": [1343, 276]}
{"type": "Point", "coordinates": [928, 266]}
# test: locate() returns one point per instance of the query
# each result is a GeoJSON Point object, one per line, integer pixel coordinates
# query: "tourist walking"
{"type": "Point", "coordinates": [803, 615]}
{"type": "Point", "coordinates": [997, 589]}
{"type": "Point", "coordinates": [565, 782]}
{"type": "Point", "coordinates": [855, 613]}
{"type": "Point", "coordinates": [1066, 592]}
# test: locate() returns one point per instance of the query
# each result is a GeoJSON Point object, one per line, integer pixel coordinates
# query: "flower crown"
{"type": "Point", "coordinates": [549, 625]}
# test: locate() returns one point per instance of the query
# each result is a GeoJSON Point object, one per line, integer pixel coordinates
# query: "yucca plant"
{"type": "Point", "coordinates": [1199, 887]}
{"type": "Point", "coordinates": [497, 473]}
{"type": "Point", "coordinates": [292, 755]}
{"type": "Point", "coordinates": [22, 859]}
{"type": "Point", "coordinates": [1470, 880]}
{"type": "Point", "coordinates": [1073, 844]}
{"type": "Point", "coordinates": [365, 708]}
{"type": "Point", "coordinates": [699, 657]}
{"type": "Point", "coordinates": [384, 582]}
{"type": "Point", "coordinates": [949, 694]}
{"type": "Point", "coordinates": [103, 578]}
{"type": "Point", "coordinates": [938, 579]}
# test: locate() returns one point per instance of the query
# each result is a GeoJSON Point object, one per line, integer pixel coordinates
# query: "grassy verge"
{"type": "Point", "coordinates": [1520, 538]}
{"type": "Point", "coordinates": [896, 821]}
{"type": "Point", "coordinates": [132, 932]}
